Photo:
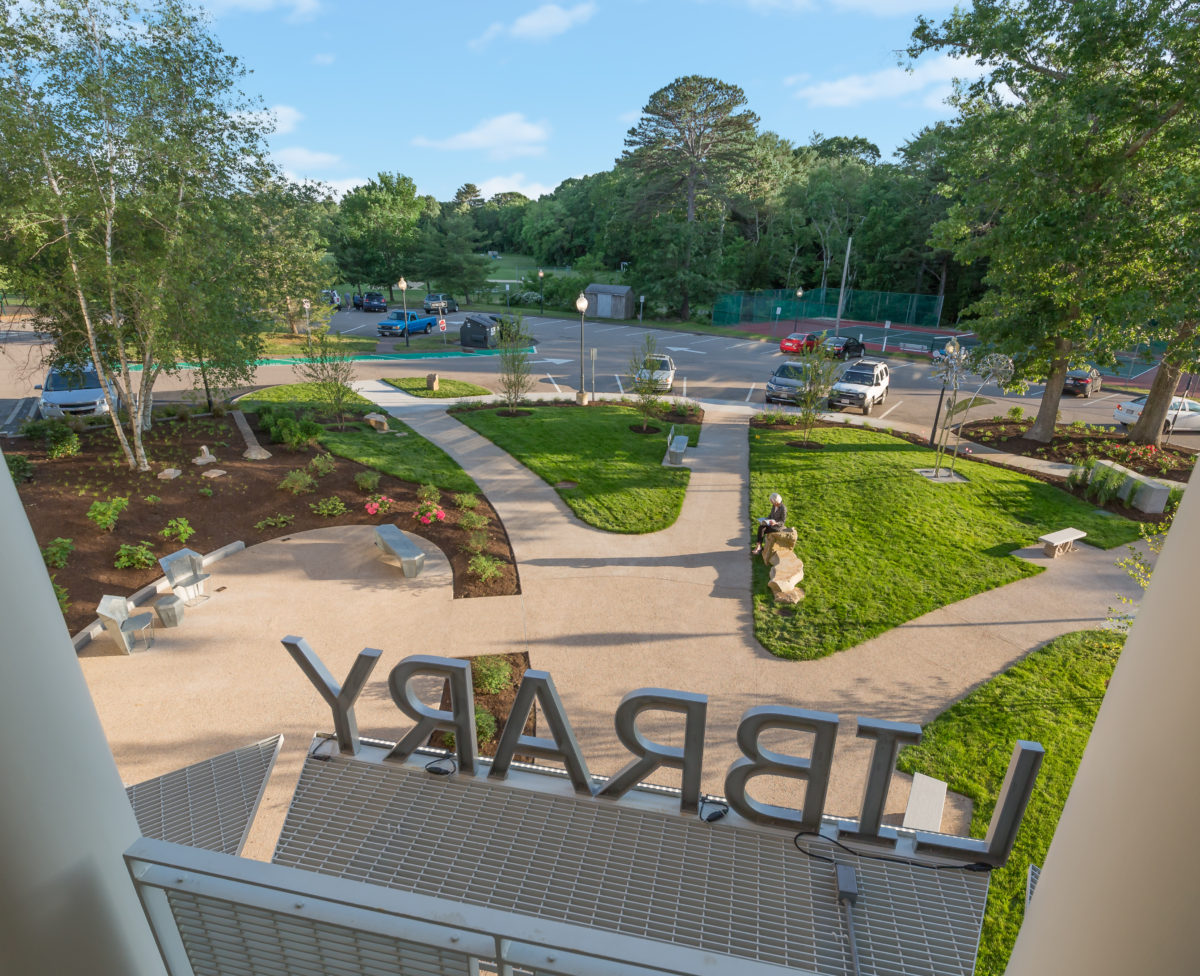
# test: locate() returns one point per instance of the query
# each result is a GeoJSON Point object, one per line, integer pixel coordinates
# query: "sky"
{"type": "Point", "coordinates": [521, 95]}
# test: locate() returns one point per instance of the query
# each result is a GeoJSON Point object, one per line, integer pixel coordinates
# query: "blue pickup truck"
{"type": "Point", "coordinates": [397, 323]}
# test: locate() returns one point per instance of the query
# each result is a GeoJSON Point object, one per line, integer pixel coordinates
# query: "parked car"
{"type": "Point", "coordinates": [332, 298]}
{"type": "Point", "coordinates": [659, 371]}
{"type": "Point", "coordinates": [398, 322]}
{"type": "Point", "coordinates": [1184, 414]}
{"type": "Point", "coordinates": [843, 347]}
{"type": "Point", "coordinates": [787, 382]}
{"type": "Point", "coordinates": [799, 342]}
{"type": "Point", "coordinates": [439, 302]}
{"type": "Point", "coordinates": [74, 391]}
{"type": "Point", "coordinates": [373, 302]}
{"type": "Point", "coordinates": [863, 385]}
{"type": "Point", "coordinates": [1082, 382]}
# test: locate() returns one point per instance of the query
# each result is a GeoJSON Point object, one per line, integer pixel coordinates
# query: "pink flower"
{"type": "Point", "coordinates": [440, 514]}
{"type": "Point", "coordinates": [425, 520]}
{"type": "Point", "coordinates": [372, 508]}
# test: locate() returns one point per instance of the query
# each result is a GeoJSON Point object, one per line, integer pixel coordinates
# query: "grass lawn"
{"type": "Point", "coordinates": [415, 385]}
{"type": "Point", "coordinates": [300, 395]}
{"type": "Point", "coordinates": [1051, 697]}
{"type": "Point", "coordinates": [278, 345]}
{"type": "Point", "coordinates": [622, 484]}
{"type": "Point", "coordinates": [409, 458]}
{"type": "Point", "coordinates": [881, 545]}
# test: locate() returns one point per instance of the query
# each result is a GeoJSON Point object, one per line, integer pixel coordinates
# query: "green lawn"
{"type": "Point", "coordinates": [622, 484]}
{"type": "Point", "coordinates": [299, 395]}
{"type": "Point", "coordinates": [409, 458]}
{"type": "Point", "coordinates": [279, 345]}
{"type": "Point", "coordinates": [415, 385]}
{"type": "Point", "coordinates": [1051, 697]}
{"type": "Point", "coordinates": [881, 545]}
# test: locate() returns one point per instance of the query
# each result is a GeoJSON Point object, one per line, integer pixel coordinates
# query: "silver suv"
{"type": "Point", "coordinates": [863, 385]}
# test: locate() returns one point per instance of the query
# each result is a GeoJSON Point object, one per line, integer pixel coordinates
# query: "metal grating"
{"type": "Point", "coordinates": [228, 938]}
{"type": "Point", "coordinates": [209, 804]}
{"type": "Point", "coordinates": [1031, 880]}
{"type": "Point", "coordinates": [720, 888]}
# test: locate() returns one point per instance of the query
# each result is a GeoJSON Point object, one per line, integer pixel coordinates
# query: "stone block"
{"type": "Point", "coordinates": [169, 474]}
{"type": "Point", "coordinates": [790, 596]}
{"type": "Point", "coordinates": [1137, 490]}
{"type": "Point", "coordinates": [781, 539]}
{"type": "Point", "coordinates": [213, 473]}
{"type": "Point", "coordinates": [431, 381]}
{"type": "Point", "coordinates": [378, 421]}
{"type": "Point", "coordinates": [787, 571]}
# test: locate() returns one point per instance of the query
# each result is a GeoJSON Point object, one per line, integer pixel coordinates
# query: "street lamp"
{"type": "Point", "coordinates": [581, 304]}
{"type": "Point", "coordinates": [796, 319]}
{"type": "Point", "coordinates": [307, 305]}
{"type": "Point", "coordinates": [403, 286]}
{"type": "Point", "coordinates": [541, 292]}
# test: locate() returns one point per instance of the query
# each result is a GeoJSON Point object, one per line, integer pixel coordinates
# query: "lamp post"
{"type": "Point", "coordinates": [307, 305]}
{"type": "Point", "coordinates": [581, 304]}
{"type": "Point", "coordinates": [796, 319]}
{"type": "Point", "coordinates": [403, 286]}
{"type": "Point", "coordinates": [541, 292]}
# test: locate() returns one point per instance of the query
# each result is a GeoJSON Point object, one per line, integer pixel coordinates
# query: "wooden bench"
{"type": "Point", "coordinates": [926, 801]}
{"type": "Point", "coordinates": [1056, 543]}
{"type": "Point", "coordinates": [676, 446]}
{"type": "Point", "coordinates": [391, 540]}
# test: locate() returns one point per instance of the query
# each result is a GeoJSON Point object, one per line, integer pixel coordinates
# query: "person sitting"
{"type": "Point", "coordinates": [771, 523]}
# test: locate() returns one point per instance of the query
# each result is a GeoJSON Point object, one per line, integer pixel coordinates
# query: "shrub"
{"type": "Point", "coordinates": [491, 673]}
{"type": "Point", "coordinates": [330, 507]}
{"type": "Point", "coordinates": [179, 530]}
{"type": "Point", "coordinates": [485, 567]}
{"type": "Point", "coordinates": [275, 522]}
{"type": "Point", "coordinates": [152, 499]}
{"type": "Point", "coordinates": [428, 512]}
{"type": "Point", "coordinates": [367, 481]}
{"type": "Point", "coordinates": [1015, 413]}
{"type": "Point", "coordinates": [129, 556]}
{"type": "Point", "coordinates": [476, 543]}
{"type": "Point", "coordinates": [20, 468]}
{"type": "Point", "coordinates": [61, 595]}
{"type": "Point", "coordinates": [220, 408]}
{"type": "Point", "coordinates": [298, 482]}
{"type": "Point", "coordinates": [56, 552]}
{"type": "Point", "coordinates": [105, 514]}
{"type": "Point", "coordinates": [205, 491]}
{"type": "Point", "coordinates": [379, 504]}
{"type": "Point", "coordinates": [61, 441]}
{"type": "Point", "coordinates": [1104, 485]}
{"type": "Point", "coordinates": [322, 465]}
{"type": "Point", "coordinates": [466, 501]}
{"type": "Point", "coordinates": [485, 724]}
{"type": "Point", "coordinates": [473, 521]}
{"type": "Point", "coordinates": [429, 495]}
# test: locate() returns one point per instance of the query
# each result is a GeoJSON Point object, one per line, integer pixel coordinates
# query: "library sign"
{"type": "Point", "coordinates": [647, 756]}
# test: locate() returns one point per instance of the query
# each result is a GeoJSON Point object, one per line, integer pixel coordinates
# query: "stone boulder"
{"type": "Point", "coordinates": [431, 381]}
{"type": "Point", "coordinates": [787, 570]}
{"type": "Point", "coordinates": [378, 421]}
{"type": "Point", "coordinates": [780, 540]}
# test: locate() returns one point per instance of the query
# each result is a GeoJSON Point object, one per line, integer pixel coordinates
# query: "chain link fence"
{"type": "Point", "coordinates": [822, 303]}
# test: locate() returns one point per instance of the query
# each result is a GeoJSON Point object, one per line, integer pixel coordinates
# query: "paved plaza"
{"type": "Point", "coordinates": [603, 613]}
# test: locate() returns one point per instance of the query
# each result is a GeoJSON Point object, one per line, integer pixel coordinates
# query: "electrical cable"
{"type": "Point", "coordinates": [437, 767]}
{"type": "Point", "coordinates": [877, 857]}
{"type": "Point", "coordinates": [720, 809]}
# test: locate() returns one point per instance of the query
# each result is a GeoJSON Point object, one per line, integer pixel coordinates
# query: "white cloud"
{"type": "Point", "coordinates": [547, 21]}
{"type": "Point", "coordinates": [516, 183]}
{"type": "Point", "coordinates": [305, 160]}
{"type": "Point", "coordinates": [929, 81]}
{"type": "Point", "coordinates": [296, 9]}
{"type": "Point", "coordinates": [286, 118]}
{"type": "Point", "coordinates": [791, 80]}
{"type": "Point", "coordinates": [501, 137]}
{"type": "Point", "coordinates": [630, 116]}
{"type": "Point", "coordinates": [323, 58]}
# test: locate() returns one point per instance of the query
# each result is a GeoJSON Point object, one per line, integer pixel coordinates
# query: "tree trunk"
{"type": "Point", "coordinates": [1043, 427]}
{"type": "Point", "coordinates": [1149, 427]}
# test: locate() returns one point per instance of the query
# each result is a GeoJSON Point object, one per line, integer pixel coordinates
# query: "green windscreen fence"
{"type": "Point", "coordinates": [821, 303]}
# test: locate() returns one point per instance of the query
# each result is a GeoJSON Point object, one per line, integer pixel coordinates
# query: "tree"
{"type": "Point", "coordinates": [330, 369]}
{"type": "Point", "coordinates": [466, 198]}
{"type": "Point", "coordinates": [122, 138]}
{"type": "Point", "coordinates": [642, 364]}
{"type": "Point", "coordinates": [447, 254]}
{"type": "Point", "coordinates": [1047, 161]}
{"type": "Point", "coordinates": [516, 375]}
{"type": "Point", "coordinates": [818, 371]}
{"type": "Point", "coordinates": [690, 140]}
{"type": "Point", "coordinates": [376, 230]}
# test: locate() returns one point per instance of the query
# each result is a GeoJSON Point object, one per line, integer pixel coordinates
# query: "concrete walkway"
{"type": "Point", "coordinates": [604, 613]}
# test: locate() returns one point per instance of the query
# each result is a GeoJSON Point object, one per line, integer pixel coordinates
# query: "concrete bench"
{"type": "Point", "coordinates": [676, 446]}
{"type": "Point", "coordinates": [926, 801]}
{"type": "Point", "coordinates": [184, 570]}
{"type": "Point", "coordinates": [391, 540]}
{"type": "Point", "coordinates": [1056, 543]}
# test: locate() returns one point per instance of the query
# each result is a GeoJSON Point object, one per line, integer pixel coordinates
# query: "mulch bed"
{"type": "Point", "coordinates": [663, 416]}
{"type": "Point", "coordinates": [1072, 445]}
{"type": "Point", "coordinates": [57, 499]}
{"type": "Point", "coordinates": [498, 704]}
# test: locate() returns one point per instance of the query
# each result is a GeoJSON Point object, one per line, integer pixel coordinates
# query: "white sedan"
{"type": "Point", "coordinates": [1183, 415]}
{"type": "Point", "coordinates": [658, 371]}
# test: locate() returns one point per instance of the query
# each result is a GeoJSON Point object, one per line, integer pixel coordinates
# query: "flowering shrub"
{"type": "Point", "coordinates": [379, 505]}
{"type": "Point", "coordinates": [428, 512]}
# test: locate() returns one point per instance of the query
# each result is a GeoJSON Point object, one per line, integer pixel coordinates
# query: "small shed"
{"type": "Point", "coordinates": [610, 301]}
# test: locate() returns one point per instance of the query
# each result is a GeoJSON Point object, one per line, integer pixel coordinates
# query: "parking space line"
{"type": "Point", "coordinates": [20, 405]}
{"type": "Point", "coordinates": [556, 386]}
{"type": "Point", "coordinates": [1110, 396]}
{"type": "Point", "coordinates": [890, 409]}
{"type": "Point", "coordinates": [33, 406]}
{"type": "Point", "coordinates": [619, 386]}
{"type": "Point", "coordinates": [685, 386]}
{"type": "Point", "coordinates": [365, 325]}
{"type": "Point", "coordinates": [753, 387]}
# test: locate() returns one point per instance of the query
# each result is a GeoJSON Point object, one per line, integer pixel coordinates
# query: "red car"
{"type": "Point", "coordinates": [799, 342]}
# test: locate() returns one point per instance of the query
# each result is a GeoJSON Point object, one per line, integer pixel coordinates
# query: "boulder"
{"type": "Point", "coordinates": [431, 381]}
{"type": "Point", "coordinates": [169, 474]}
{"type": "Point", "coordinates": [787, 571]}
{"type": "Point", "coordinates": [378, 421]}
{"type": "Point", "coordinates": [781, 539]}
{"type": "Point", "coordinates": [791, 596]}
{"type": "Point", "coordinates": [213, 473]}
{"type": "Point", "coordinates": [205, 456]}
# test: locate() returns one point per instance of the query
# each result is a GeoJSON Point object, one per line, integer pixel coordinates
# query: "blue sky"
{"type": "Point", "coordinates": [514, 95]}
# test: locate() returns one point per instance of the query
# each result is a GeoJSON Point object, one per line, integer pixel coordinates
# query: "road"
{"type": "Point", "coordinates": [707, 367]}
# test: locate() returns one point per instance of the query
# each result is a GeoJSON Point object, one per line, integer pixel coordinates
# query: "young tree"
{"type": "Point", "coordinates": [516, 375]}
{"type": "Point", "coordinates": [330, 369]}
{"type": "Point", "coordinates": [642, 364]}
{"type": "Point", "coordinates": [819, 371]}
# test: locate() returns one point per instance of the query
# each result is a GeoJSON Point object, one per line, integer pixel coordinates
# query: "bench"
{"type": "Point", "coordinates": [121, 626]}
{"type": "Point", "coordinates": [676, 445]}
{"type": "Point", "coordinates": [391, 540]}
{"type": "Point", "coordinates": [184, 570]}
{"type": "Point", "coordinates": [926, 800]}
{"type": "Point", "coordinates": [1056, 543]}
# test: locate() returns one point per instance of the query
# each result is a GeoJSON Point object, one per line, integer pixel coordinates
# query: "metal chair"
{"type": "Point", "coordinates": [121, 626]}
{"type": "Point", "coordinates": [184, 570]}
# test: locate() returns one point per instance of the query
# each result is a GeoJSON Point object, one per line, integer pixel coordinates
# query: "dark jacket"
{"type": "Point", "coordinates": [778, 514]}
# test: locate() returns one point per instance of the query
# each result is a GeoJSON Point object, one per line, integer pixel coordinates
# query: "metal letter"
{"type": "Point", "coordinates": [340, 700]}
{"type": "Point", "coordinates": [540, 686]}
{"type": "Point", "coordinates": [460, 719]}
{"type": "Point", "coordinates": [759, 762]}
{"type": "Point", "coordinates": [1013, 799]}
{"type": "Point", "coordinates": [652, 755]}
{"type": "Point", "coordinates": [889, 737]}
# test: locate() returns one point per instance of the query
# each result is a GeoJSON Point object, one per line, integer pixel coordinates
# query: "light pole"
{"type": "Point", "coordinates": [796, 319]}
{"type": "Point", "coordinates": [581, 304]}
{"type": "Point", "coordinates": [307, 305]}
{"type": "Point", "coordinates": [403, 286]}
{"type": "Point", "coordinates": [541, 292]}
